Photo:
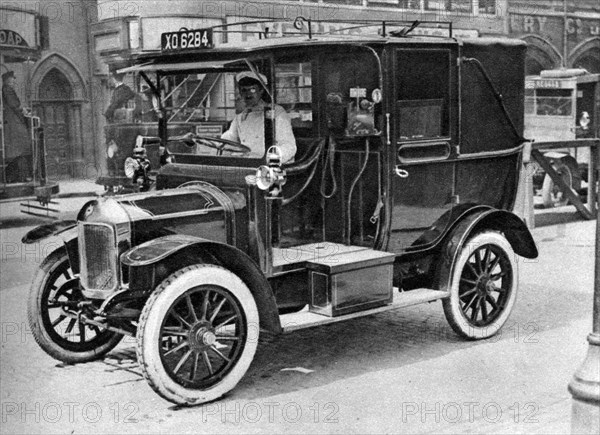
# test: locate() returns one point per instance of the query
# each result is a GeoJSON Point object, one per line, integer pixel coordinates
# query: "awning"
{"type": "Point", "coordinates": [183, 66]}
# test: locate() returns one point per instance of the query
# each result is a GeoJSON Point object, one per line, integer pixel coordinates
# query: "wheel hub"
{"type": "Point", "coordinates": [208, 338]}
{"type": "Point", "coordinates": [201, 336]}
{"type": "Point", "coordinates": [484, 285]}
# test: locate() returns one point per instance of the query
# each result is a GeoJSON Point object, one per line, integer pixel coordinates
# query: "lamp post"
{"type": "Point", "coordinates": [585, 385]}
{"type": "Point", "coordinates": [565, 50]}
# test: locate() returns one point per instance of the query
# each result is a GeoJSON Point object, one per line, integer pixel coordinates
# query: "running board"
{"type": "Point", "coordinates": [305, 319]}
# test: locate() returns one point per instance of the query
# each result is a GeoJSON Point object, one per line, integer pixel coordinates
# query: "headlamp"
{"type": "Point", "coordinates": [131, 165]}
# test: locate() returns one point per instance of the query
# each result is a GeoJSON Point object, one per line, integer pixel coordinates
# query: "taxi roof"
{"type": "Point", "coordinates": [236, 51]}
{"type": "Point", "coordinates": [225, 55]}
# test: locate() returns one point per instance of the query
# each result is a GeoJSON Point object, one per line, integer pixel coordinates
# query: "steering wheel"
{"type": "Point", "coordinates": [217, 143]}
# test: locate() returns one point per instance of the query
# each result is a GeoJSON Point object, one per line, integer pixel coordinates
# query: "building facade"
{"type": "Point", "coordinates": [560, 33]}
{"type": "Point", "coordinates": [47, 46]}
{"type": "Point", "coordinates": [70, 46]}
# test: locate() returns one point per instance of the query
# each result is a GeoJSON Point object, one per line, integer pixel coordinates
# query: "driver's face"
{"type": "Point", "coordinates": [251, 95]}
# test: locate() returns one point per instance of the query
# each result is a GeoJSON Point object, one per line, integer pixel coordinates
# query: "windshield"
{"type": "Point", "coordinates": [234, 109]}
{"type": "Point", "coordinates": [549, 102]}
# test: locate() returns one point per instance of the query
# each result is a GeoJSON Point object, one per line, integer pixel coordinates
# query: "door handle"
{"type": "Point", "coordinates": [402, 173]}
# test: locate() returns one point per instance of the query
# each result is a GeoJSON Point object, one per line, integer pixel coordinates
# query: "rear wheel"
{"type": "Point", "coordinates": [54, 303]}
{"type": "Point", "coordinates": [552, 196]}
{"type": "Point", "coordinates": [483, 287]}
{"type": "Point", "coordinates": [197, 334]}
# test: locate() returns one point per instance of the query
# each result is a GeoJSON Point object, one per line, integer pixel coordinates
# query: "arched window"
{"type": "Point", "coordinates": [533, 67]}
{"type": "Point", "coordinates": [589, 61]}
{"type": "Point", "coordinates": [55, 86]}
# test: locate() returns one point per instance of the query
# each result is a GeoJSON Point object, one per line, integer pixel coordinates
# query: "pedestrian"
{"type": "Point", "coordinates": [17, 136]}
{"type": "Point", "coordinates": [248, 126]}
{"type": "Point", "coordinates": [146, 106]}
{"type": "Point", "coordinates": [121, 95]}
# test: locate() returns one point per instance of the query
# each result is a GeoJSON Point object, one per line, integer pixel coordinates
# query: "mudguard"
{"type": "Point", "coordinates": [48, 230]}
{"type": "Point", "coordinates": [66, 230]}
{"type": "Point", "coordinates": [514, 229]}
{"type": "Point", "coordinates": [158, 251]}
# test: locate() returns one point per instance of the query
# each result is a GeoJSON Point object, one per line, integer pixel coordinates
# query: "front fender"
{"type": "Point", "coordinates": [514, 229]}
{"type": "Point", "coordinates": [66, 230]}
{"type": "Point", "coordinates": [162, 256]}
{"type": "Point", "coordinates": [48, 230]}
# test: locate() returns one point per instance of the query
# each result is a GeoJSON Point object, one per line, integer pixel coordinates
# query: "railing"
{"type": "Point", "coordinates": [306, 24]}
{"type": "Point", "coordinates": [589, 211]}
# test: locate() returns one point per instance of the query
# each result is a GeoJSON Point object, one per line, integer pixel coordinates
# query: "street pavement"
{"type": "Point", "coordinates": [402, 371]}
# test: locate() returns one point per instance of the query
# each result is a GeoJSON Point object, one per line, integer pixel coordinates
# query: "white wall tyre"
{"type": "Point", "coordinates": [484, 286]}
{"type": "Point", "coordinates": [552, 196]}
{"type": "Point", "coordinates": [52, 314]}
{"type": "Point", "coordinates": [197, 334]}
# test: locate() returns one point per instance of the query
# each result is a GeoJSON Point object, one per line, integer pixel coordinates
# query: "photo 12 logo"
{"type": "Point", "coordinates": [69, 412]}
{"type": "Point", "coordinates": [270, 412]}
{"type": "Point", "coordinates": [454, 412]}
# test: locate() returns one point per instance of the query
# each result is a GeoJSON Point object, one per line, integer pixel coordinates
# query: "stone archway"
{"type": "Point", "coordinates": [587, 55]}
{"type": "Point", "coordinates": [540, 55]}
{"type": "Point", "coordinates": [58, 93]}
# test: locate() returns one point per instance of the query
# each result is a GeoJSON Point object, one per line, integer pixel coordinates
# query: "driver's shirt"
{"type": "Point", "coordinates": [248, 128]}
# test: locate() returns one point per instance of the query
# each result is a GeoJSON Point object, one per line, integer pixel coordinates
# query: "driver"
{"type": "Point", "coordinates": [248, 126]}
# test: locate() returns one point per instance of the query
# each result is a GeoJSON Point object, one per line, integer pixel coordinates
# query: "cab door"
{"type": "Point", "coordinates": [423, 151]}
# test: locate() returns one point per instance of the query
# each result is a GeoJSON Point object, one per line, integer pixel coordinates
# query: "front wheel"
{"type": "Point", "coordinates": [54, 304]}
{"type": "Point", "coordinates": [197, 334]}
{"type": "Point", "coordinates": [483, 288]}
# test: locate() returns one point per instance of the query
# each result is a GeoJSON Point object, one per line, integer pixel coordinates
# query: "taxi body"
{"type": "Point", "coordinates": [408, 158]}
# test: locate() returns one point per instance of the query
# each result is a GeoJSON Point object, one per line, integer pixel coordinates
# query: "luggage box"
{"type": "Point", "coordinates": [350, 282]}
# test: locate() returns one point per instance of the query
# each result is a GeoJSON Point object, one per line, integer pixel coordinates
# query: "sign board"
{"type": "Point", "coordinates": [12, 38]}
{"type": "Point", "coordinates": [186, 39]}
{"type": "Point", "coordinates": [210, 130]}
{"type": "Point", "coordinates": [19, 29]}
{"type": "Point", "coordinates": [550, 84]}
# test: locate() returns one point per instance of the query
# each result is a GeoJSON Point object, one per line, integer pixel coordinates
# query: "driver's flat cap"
{"type": "Point", "coordinates": [249, 75]}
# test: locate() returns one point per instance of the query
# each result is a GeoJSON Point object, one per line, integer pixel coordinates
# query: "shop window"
{"type": "Point", "coordinates": [487, 7]}
{"type": "Point", "coordinates": [465, 6]}
{"type": "Point", "coordinates": [409, 4]}
{"type": "Point", "coordinates": [345, 2]}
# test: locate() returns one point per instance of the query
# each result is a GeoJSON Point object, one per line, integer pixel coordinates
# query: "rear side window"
{"type": "Point", "coordinates": [423, 94]}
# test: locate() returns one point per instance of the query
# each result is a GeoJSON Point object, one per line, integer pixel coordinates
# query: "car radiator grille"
{"type": "Point", "coordinates": [98, 257]}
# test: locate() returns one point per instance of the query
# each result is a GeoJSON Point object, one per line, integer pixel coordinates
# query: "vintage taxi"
{"type": "Point", "coordinates": [409, 150]}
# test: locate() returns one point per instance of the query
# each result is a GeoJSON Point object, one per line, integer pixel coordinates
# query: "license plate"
{"type": "Point", "coordinates": [186, 39]}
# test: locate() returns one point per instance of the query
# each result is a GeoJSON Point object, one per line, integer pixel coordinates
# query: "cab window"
{"type": "Point", "coordinates": [423, 83]}
{"type": "Point", "coordinates": [293, 91]}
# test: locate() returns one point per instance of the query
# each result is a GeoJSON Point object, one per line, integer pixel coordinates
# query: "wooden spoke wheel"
{"type": "Point", "coordinates": [484, 286]}
{"type": "Point", "coordinates": [54, 302]}
{"type": "Point", "coordinates": [197, 334]}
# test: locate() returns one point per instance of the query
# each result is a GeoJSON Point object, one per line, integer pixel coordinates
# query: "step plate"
{"type": "Point", "coordinates": [305, 319]}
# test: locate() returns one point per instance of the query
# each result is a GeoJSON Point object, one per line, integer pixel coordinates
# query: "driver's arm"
{"type": "Point", "coordinates": [232, 132]}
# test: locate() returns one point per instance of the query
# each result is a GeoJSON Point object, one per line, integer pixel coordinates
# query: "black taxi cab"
{"type": "Point", "coordinates": [407, 162]}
